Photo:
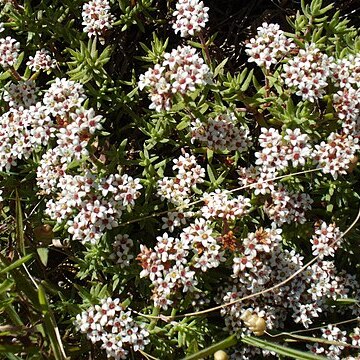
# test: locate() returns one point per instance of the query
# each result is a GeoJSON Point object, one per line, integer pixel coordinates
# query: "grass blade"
{"type": "Point", "coordinates": [281, 350]}
{"type": "Point", "coordinates": [50, 326]}
{"type": "Point", "coordinates": [19, 230]}
{"type": "Point", "coordinates": [16, 264]}
{"type": "Point", "coordinates": [229, 341]}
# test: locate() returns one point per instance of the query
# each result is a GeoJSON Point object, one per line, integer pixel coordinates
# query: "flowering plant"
{"type": "Point", "coordinates": [166, 194]}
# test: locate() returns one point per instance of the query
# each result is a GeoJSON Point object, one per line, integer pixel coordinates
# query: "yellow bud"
{"type": "Point", "coordinates": [251, 321]}
{"type": "Point", "coordinates": [245, 316]}
{"type": "Point", "coordinates": [259, 327]}
{"type": "Point", "coordinates": [221, 355]}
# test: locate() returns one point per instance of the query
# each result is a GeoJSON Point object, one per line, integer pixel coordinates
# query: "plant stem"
{"type": "Point", "coordinates": [205, 48]}
{"type": "Point", "coordinates": [155, 312]}
{"type": "Point", "coordinates": [15, 74]}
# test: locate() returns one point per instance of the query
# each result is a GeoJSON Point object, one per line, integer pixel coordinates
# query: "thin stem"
{"type": "Point", "coordinates": [155, 317]}
{"type": "Point", "coordinates": [205, 48]}
{"type": "Point", "coordinates": [15, 74]}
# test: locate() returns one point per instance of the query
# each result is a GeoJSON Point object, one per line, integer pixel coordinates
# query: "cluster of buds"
{"type": "Point", "coordinates": [112, 326]}
{"type": "Point", "coordinates": [181, 72]}
{"type": "Point", "coordinates": [269, 45]}
{"type": "Point", "coordinates": [221, 133]}
{"type": "Point", "coordinates": [254, 322]}
{"type": "Point", "coordinates": [308, 72]}
{"type": "Point", "coordinates": [97, 18]}
{"type": "Point", "coordinates": [191, 17]}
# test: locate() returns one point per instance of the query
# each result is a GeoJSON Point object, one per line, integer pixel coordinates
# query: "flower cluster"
{"type": "Point", "coordinates": [41, 61]}
{"type": "Point", "coordinates": [178, 190]}
{"type": "Point", "coordinates": [254, 247]}
{"type": "Point", "coordinates": [97, 18]}
{"type": "Point", "coordinates": [219, 205]}
{"type": "Point", "coordinates": [73, 136]}
{"type": "Point", "coordinates": [9, 51]}
{"type": "Point", "coordinates": [333, 351]}
{"type": "Point", "coordinates": [21, 94]}
{"type": "Point", "coordinates": [174, 262]}
{"type": "Point", "coordinates": [63, 96]}
{"type": "Point", "coordinates": [355, 336]}
{"type": "Point", "coordinates": [191, 17]}
{"type": "Point", "coordinates": [336, 155]}
{"type": "Point", "coordinates": [112, 326]}
{"type": "Point", "coordinates": [175, 219]}
{"type": "Point", "coordinates": [326, 240]}
{"type": "Point", "coordinates": [257, 178]}
{"type": "Point", "coordinates": [308, 72]}
{"type": "Point", "coordinates": [346, 73]}
{"type": "Point", "coordinates": [278, 152]}
{"type": "Point", "coordinates": [221, 133]}
{"type": "Point", "coordinates": [260, 262]}
{"type": "Point", "coordinates": [287, 206]}
{"type": "Point", "coordinates": [21, 132]}
{"type": "Point", "coordinates": [92, 205]}
{"type": "Point", "coordinates": [269, 45]}
{"type": "Point", "coordinates": [122, 246]}
{"type": "Point", "coordinates": [346, 103]}
{"type": "Point", "coordinates": [181, 71]}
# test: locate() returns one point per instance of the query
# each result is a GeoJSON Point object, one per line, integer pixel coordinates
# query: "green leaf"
{"type": "Point", "coordinates": [19, 60]}
{"type": "Point", "coordinates": [345, 301]}
{"type": "Point", "coordinates": [6, 285]}
{"type": "Point", "coordinates": [16, 264]}
{"type": "Point", "coordinates": [220, 68]}
{"type": "Point", "coordinates": [209, 155]}
{"type": "Point", "coordinates": [183, 124]}
{"type": "Point", "coordinates": [280, 349]}
{"type": "Point", "coordinates": [43, 255]}
{"type": "Point", "coordinates": [247, 82]}
{"type": "Point", "coordinates": [211, 174]}
{"type": "Point", "coordinates": [4, 348]}
{"type": "Point", "coordinates": [5, 75]}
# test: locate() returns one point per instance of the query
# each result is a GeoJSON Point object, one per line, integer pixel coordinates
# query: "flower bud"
{"type": "Point", "coordinates": [221, 355]}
